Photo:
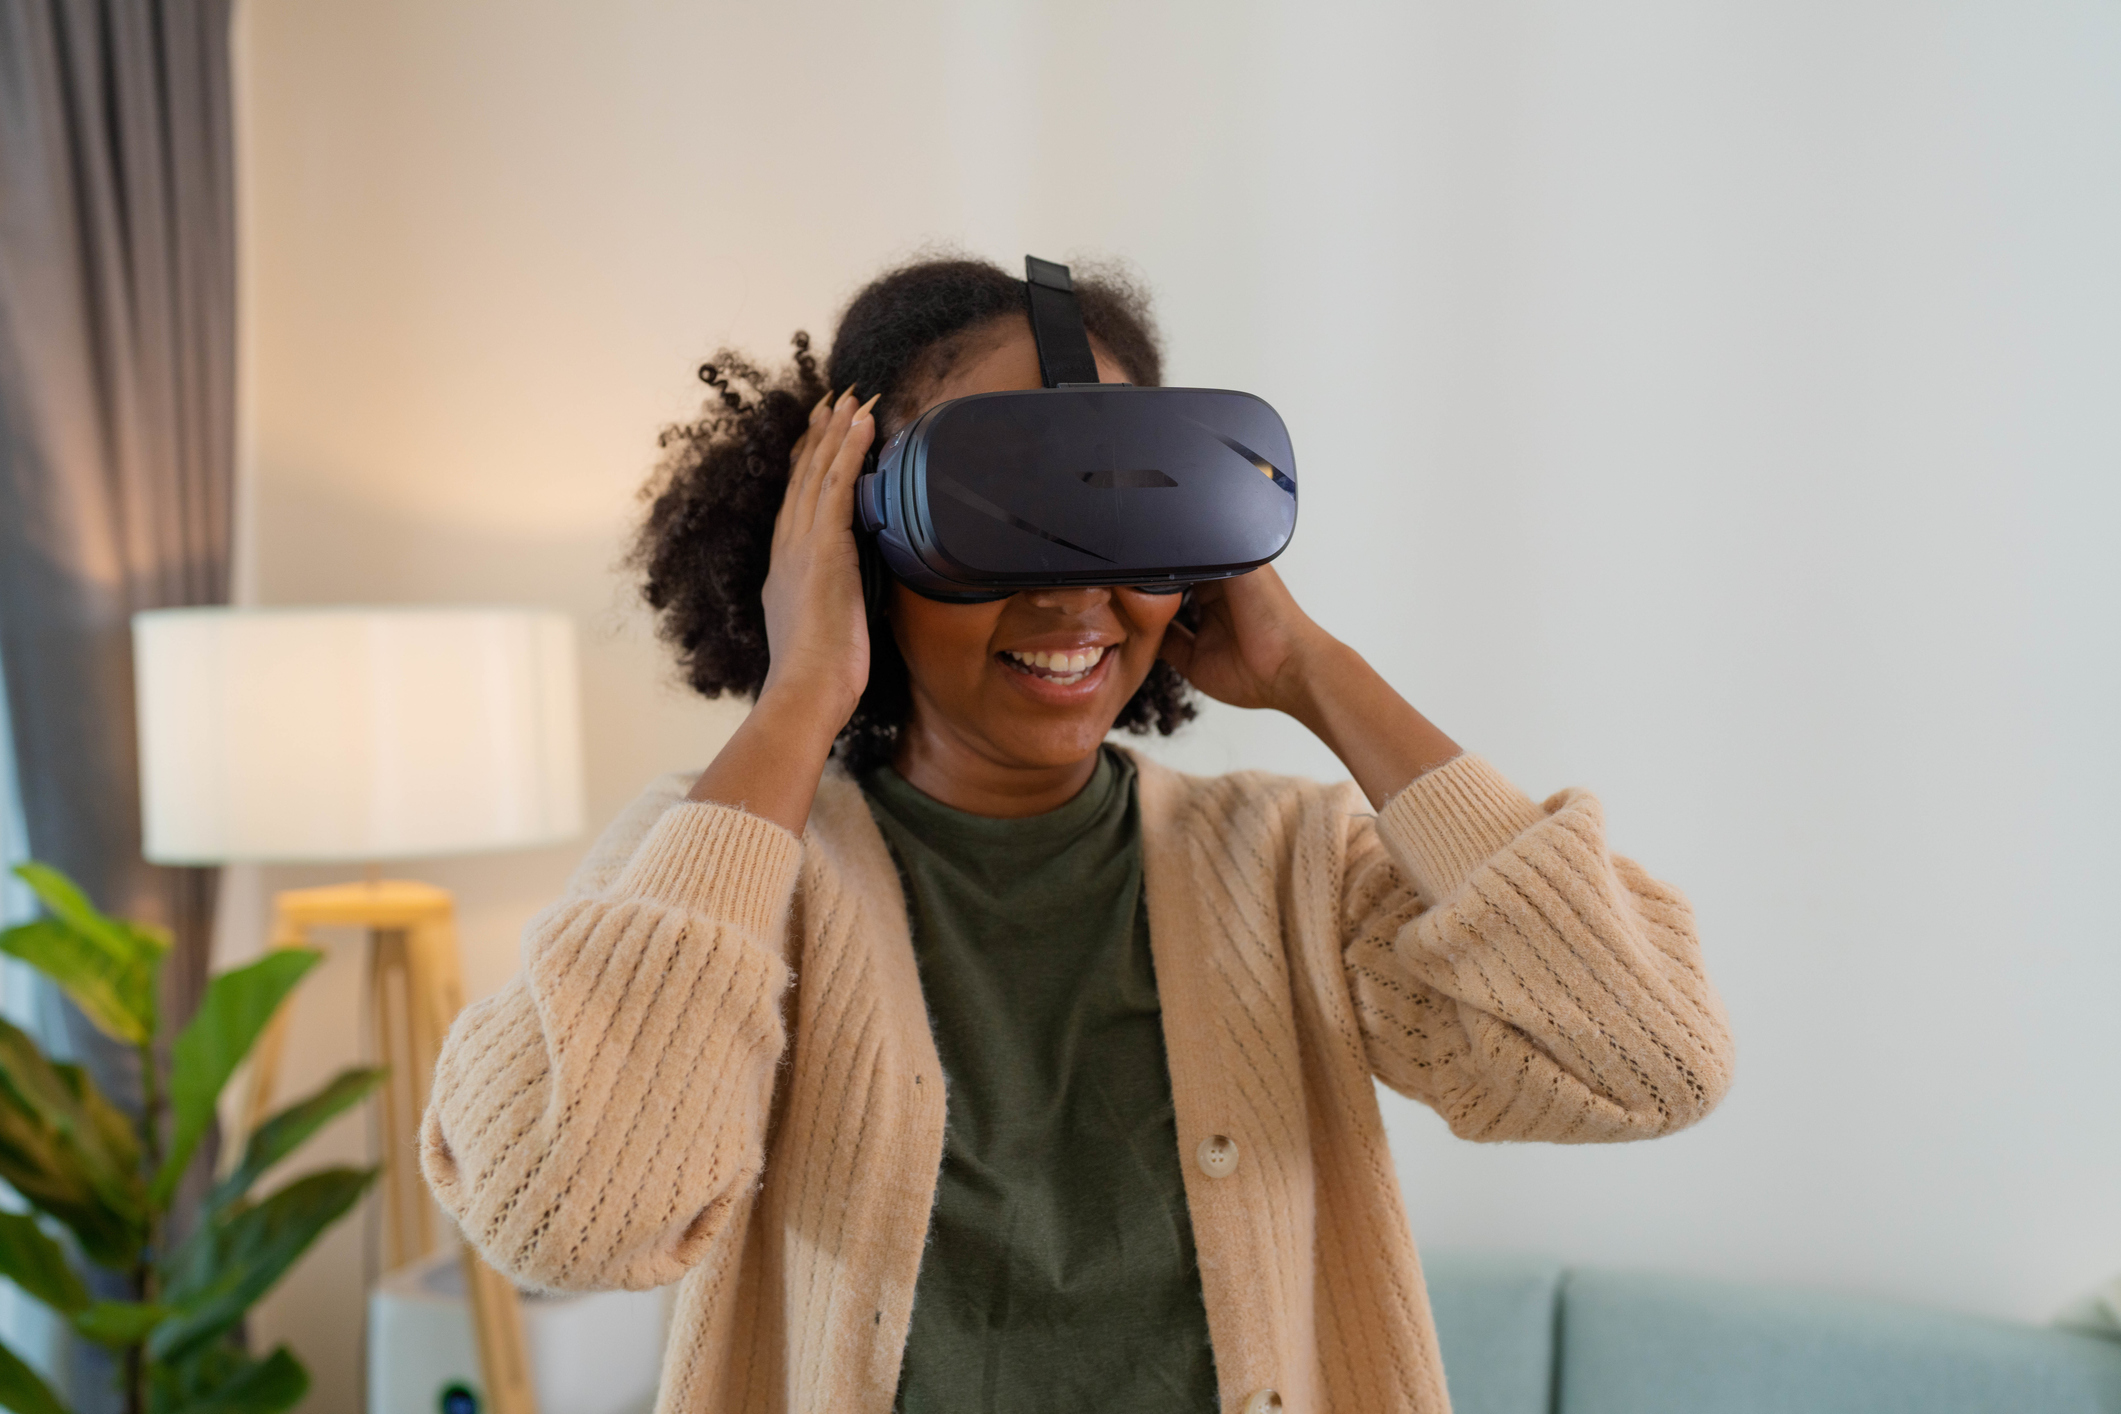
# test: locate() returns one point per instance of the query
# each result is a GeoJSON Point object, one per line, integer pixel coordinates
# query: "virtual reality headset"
{"type": "Point", "coordinates": [1078, 482]}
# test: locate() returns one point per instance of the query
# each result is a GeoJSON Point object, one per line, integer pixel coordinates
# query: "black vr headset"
{"type": "Point", "coordinates": [1078, 482]}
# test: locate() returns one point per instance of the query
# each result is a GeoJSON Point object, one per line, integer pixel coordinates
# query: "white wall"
{"type": "Point", "coordinates": [1716, 405]}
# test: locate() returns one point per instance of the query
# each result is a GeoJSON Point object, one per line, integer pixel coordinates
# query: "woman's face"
{"type": "Point", "coordinates": [1037, 679]}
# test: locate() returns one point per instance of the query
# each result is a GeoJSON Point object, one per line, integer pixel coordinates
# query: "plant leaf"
{"type": "Point", "coordinates": [63, 1126]}
{"type": "Point", "coordinates": [23, 1390]}
{"type": "Point", "coordinates": [108, 990]}
{"type": "Point", "coordinates": [286, 1131]}
{"type": "Point", "coordinates": [65, 901]}
{"type": "Point", "coordinates": [175, 1386]}
{"type": "Point", "coordinates": [236, 1008]}
{"type": "Point", "coordinates": [43, 1170]}
{"type": "Point", "coordinates": [38, 1265]}
{"type": "Point", "coordinates": [105, 964]}
{"type": "Point", "coordinates": [110, 1124]}
{"type": "Point", "coordinates": [246, 1253]}
{"type": "Point", "coordinates": [190, 1267]}
{"type": "Point", "coordinates": [57, 1099]}
{"type": "Point", "coordinates": [117, 1324]}
{"type": "Point", "coordinates": [261, 1387]}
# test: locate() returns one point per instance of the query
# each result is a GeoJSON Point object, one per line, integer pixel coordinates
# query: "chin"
{"type": "Point", "coordinates": [1035, 733]}
{"type": "Point", "coordinates": [1041, 749]}
{"type": "Point", "coordinates": [1030, 742]}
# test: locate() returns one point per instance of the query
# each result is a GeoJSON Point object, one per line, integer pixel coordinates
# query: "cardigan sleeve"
{"type": "Point", "coordinates": [1516, 976]}
{"type": "Point", "coordinates": [593, 1122]}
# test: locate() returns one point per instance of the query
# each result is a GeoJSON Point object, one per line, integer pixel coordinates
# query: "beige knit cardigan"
{"type": "Point", "coordinates": [716, 1068]}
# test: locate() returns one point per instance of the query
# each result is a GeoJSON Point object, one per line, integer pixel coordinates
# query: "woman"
{"type": "Point", "coordinates": [955, 1060]}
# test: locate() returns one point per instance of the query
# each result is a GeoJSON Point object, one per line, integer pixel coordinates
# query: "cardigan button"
{"type": "Point", "coordinates": [1218, 1159]}
{"type": "Point", "coordinates": [1263, 1401]}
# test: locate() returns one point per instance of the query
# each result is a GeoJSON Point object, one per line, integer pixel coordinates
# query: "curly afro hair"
{"type": "Point", "coordinates": [703, 549]}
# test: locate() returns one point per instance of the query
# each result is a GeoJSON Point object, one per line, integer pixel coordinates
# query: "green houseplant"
{"type": "Point", "coordinates": [102, 1182]}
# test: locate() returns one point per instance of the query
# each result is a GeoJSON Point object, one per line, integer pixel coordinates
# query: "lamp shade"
{"type": "Point", "coordinates": [355, 734]}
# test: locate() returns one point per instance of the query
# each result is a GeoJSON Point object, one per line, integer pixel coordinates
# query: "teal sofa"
{"type": "Point", "coordinates": [1522, 1336]}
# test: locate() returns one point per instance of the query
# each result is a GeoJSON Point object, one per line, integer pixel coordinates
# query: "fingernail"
{"type": "Point", "coordinates": [863, 411]}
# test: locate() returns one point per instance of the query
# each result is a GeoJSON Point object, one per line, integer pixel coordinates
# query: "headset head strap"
{"type": "Point", "coordinates": [1064, 355]}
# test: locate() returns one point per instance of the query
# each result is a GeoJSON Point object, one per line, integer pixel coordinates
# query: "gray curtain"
{"type": "Point", "coordinates": [117, 420]}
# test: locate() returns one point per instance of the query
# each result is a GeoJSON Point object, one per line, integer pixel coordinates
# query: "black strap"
{"type": "Point", "coordinates": [1057, 324]}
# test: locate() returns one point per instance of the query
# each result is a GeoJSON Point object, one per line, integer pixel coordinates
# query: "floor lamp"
{"type": "Point", "coordinates": [361, 736]}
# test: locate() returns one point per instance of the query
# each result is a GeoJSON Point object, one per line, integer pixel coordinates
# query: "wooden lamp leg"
{"type": "Point", "coordinates": [434, 994]}
{"type": "Point", "coordinates": [418, 991]}
{"type": "Point", "coordinates": [265, 1058]}
{"type": "Point", "coordinates": [408, 1214]}
{"type": "Point", "coordinates": [497, 1322]}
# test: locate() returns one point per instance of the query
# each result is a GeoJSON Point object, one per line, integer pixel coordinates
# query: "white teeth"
{"type": "Point", "coordinates": [1062, 667]}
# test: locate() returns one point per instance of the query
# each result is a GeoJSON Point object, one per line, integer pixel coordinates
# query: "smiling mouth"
{"type": "Point", "coordinates": [1060, 669]}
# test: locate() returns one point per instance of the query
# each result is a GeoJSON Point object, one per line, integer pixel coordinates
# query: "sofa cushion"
{"type": "Point", "coordinates": [1633, 1343]}
{"type": "Point", "coordinates": [1495, 1321]}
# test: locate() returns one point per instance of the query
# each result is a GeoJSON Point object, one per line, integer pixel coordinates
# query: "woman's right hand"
{"type": "Point", "coordinates": [816, 627]}
{"type": "Point", "coordinates": [817, 630]}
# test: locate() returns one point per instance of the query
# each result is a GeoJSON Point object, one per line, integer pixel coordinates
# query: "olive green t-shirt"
{"type": "Point", "coordinates": [1059, 1273]}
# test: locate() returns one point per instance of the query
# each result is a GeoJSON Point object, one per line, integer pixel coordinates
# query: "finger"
{"type": "Point", "coordinates": [846, 463]}
{"type": "Point", "coordinates": [803, 499]}
{"type": "Point", "coordinates": [835, 502]}
{"type": "Point", "coordinates": [831, 435]}
{"type": "Point", "coordinates": [1177, 647]}
{"type": "Point", "coordinates": [1263, 584]}
{"type": "Point", "coordinates": [820, 424]}
{"type": "Point", "coordinates": [1209, 597]}
{"type": "Point", "coordinates": [803, 474]}
{"type": "Point", "coordinates": [799, 469]}
{"type": "Point", "coordinates": [800, 458]}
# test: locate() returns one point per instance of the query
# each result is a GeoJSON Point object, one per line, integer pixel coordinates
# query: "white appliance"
{"type": "Point", "coordinates": [589, 1354]}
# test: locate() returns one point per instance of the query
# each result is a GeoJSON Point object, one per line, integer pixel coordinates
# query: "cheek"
{"type": "Point", "coordinates": [941, 642]}
{"type": "Point", "coordinates": [1148, 615]}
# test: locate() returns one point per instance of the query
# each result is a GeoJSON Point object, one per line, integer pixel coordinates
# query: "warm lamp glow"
{"type": "Point", "coordinates": [355, 734]}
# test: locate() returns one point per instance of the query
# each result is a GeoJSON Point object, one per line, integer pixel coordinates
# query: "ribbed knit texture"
{"type": "Point", "coordinates": [657, 1096]}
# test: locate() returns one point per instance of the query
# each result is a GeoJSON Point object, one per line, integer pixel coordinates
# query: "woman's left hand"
{"type": "Point", "coordinates": [1256, 648]}
{"type": "Point", "coordinates": [1252, 643]}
